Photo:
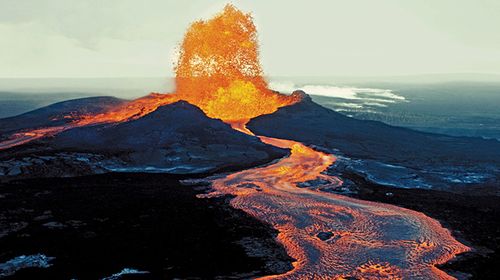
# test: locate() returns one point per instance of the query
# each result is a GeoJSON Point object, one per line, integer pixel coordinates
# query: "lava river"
{"type": "Point", "coordinates": [219, 72]}
{"type": "Point", "coordinates": [364, 240]}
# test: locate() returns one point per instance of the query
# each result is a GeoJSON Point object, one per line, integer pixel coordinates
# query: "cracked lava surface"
{"type": "Point", "coordinates": [365, 240]}
{"type": "Point", "coordinates": [330, 236]}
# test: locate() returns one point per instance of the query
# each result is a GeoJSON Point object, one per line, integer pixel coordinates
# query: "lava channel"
{"type": "Point", "coordinates": [359, 239]}
{"type": "Point", "coordinates": [330, 236]}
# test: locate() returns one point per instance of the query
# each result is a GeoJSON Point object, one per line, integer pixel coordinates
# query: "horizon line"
{"type": "Point", "coordinates": [271, 76]}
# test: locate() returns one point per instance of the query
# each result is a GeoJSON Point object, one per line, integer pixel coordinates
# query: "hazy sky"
{"type": "Point", "coordinates": [117, 38]}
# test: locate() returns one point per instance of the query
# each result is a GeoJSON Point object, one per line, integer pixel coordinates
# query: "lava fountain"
{"type": "Point", "coordinates": [219, 71]}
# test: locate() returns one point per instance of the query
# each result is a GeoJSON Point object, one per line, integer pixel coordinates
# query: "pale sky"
{"type": "Point", "coordinates": [133, 38]}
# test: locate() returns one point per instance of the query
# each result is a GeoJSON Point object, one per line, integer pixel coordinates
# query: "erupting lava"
{"type": "Point", "coordinates": [219, 71]}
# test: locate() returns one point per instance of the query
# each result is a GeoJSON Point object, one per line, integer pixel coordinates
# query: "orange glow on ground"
{"type": "Point", "coordinates": [24, 137]}
{"type": "Point", "coordinates": [369, 240]}
{"type": "Point", "coordinates": [219, 72]}
{"type": "Point", "coordinates": [374, 271]}
{"type": "Point", "coordinates": [131, 110]}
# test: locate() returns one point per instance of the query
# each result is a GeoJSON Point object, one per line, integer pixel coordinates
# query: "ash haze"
{"type": "Point", "coordinates": [126, 38]}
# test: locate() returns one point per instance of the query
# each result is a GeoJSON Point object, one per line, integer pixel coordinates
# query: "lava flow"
{"type": "Point", "coordinates": [359, 239]}
{"type": "Point", "coordinates": [330, 236]}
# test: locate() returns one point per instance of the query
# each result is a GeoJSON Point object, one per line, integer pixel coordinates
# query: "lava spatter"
{"type": "Point", "coordinates": [219, 69]}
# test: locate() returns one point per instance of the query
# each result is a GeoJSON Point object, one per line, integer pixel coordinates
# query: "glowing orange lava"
{"type": "Point", "coordinates": [219, 71]}
{"type": "Point", "coordinates": [369, 240]}
{"type": "Point", "coordinates": [131, 110]}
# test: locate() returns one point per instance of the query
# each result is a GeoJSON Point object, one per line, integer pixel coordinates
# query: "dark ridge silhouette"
{"type": "Point", "coordinates": [175, 138]}
{"type": "Point", "coordinates": [385, 154]}
{"type": "Point", "coordinates": [313, 124]}
{"type": "Point", "coordinates": [57, 114]}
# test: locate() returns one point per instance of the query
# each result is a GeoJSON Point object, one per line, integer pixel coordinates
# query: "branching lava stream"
{"type": "Point", "coordinates": [330, 236]}
{"type": "Point", "coordinates": [365, 240]}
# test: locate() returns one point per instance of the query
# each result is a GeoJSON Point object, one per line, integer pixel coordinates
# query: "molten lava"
{"type": "Point", "coordinates": [219, 71]}
{"type": "Point", "coordinates": [368, 240]}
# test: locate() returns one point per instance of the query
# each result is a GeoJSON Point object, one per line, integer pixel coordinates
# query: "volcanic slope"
{"type": "Point", "coordinates": [58, 114]}
{"type": "Point", "coordinates": [175, 138]}
{"type": "Point", "coordinates": [390, 147]}
{"type": "Point", "coordinates": [52, 119]}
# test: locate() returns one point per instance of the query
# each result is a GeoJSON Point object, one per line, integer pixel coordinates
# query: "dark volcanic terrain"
{"type": "Point", "coordinates": [57, 114]}
{"type": "Point", "coordinates": [97, 226]}
{"type": "Point", "coordinates": [385, 154]}
{"type": "Point", "coordinates": [473, 220]}
{"type": "Point", "coordinates": [176, 138]}
{"type": "Point", "coordinates": [313, 124]}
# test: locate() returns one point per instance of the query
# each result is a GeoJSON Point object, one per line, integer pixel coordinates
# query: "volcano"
{"type": "Point", "coordinates": [176, 138]}
{"type": "Point", "coordinates": [283, 151]}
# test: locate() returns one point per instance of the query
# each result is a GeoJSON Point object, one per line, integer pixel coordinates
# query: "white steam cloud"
{"type": "Point", "coordinates": [359, 97]}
